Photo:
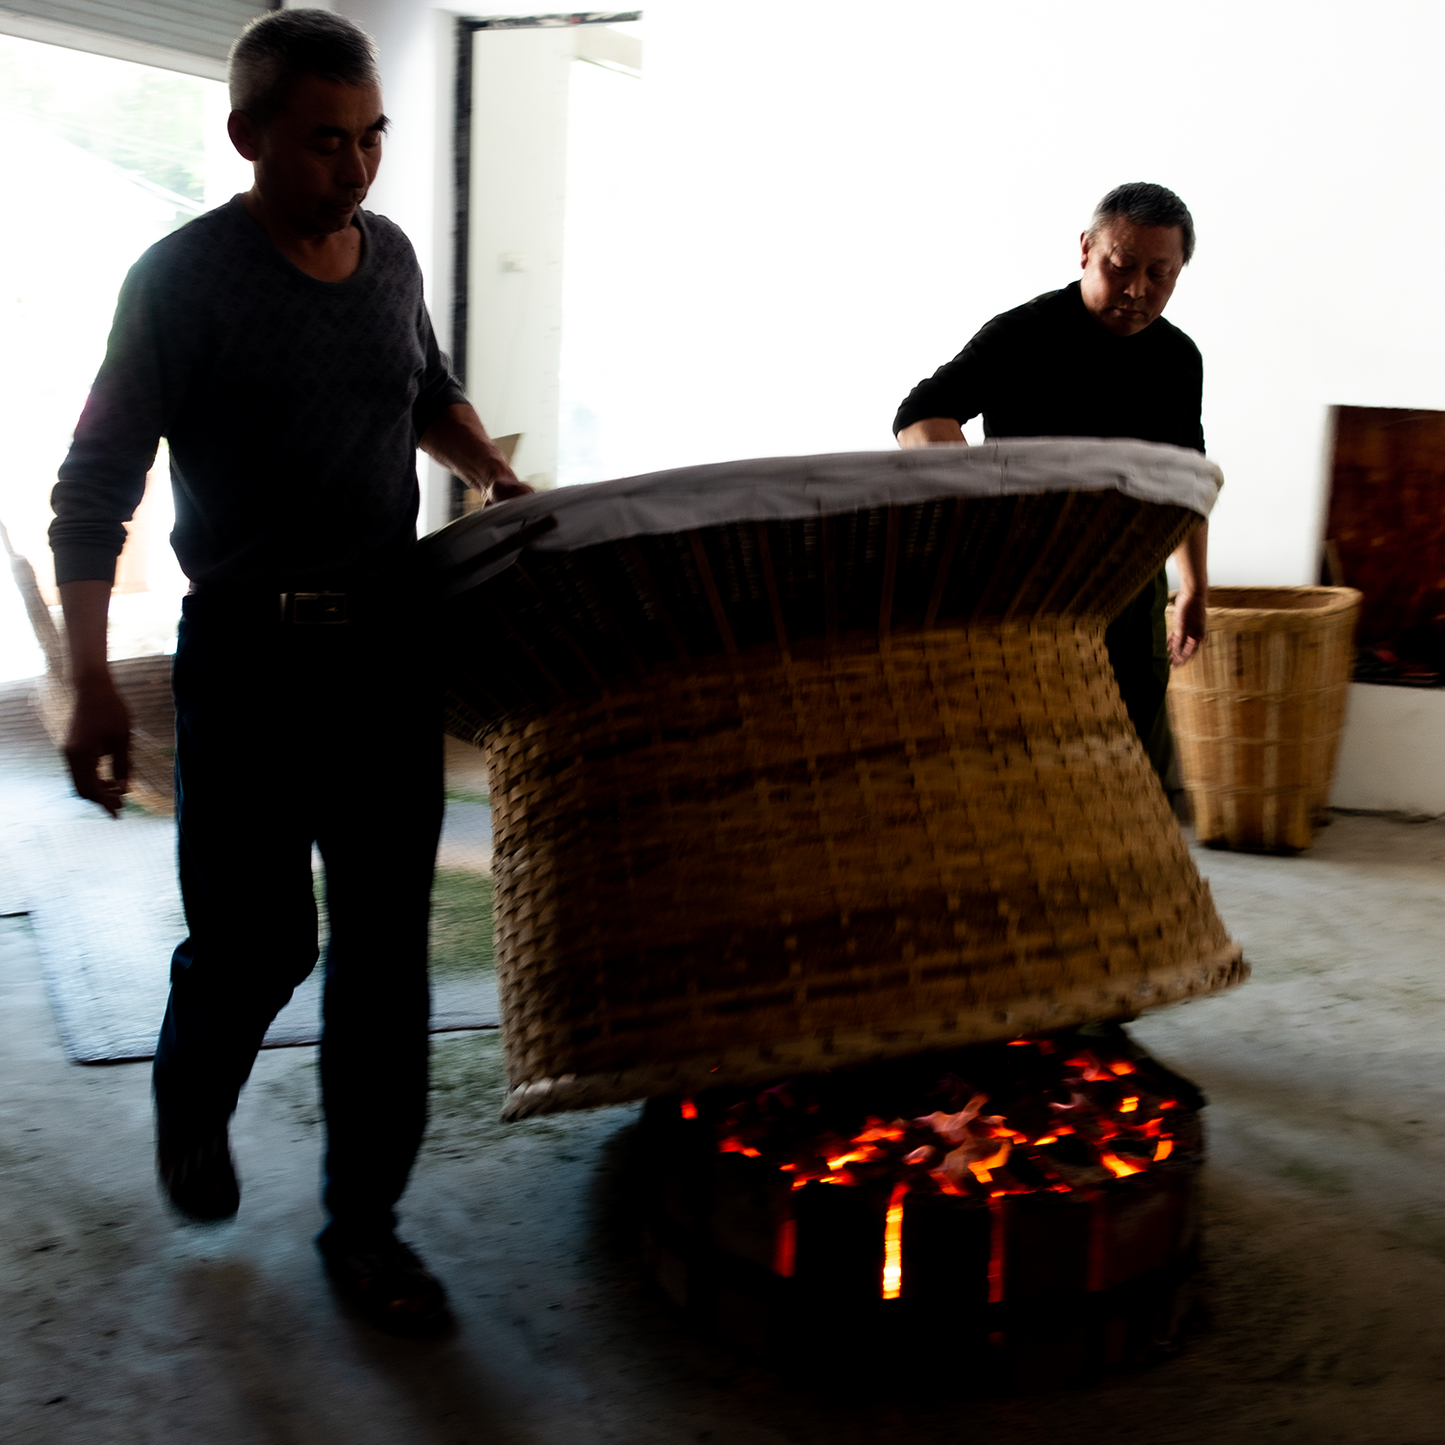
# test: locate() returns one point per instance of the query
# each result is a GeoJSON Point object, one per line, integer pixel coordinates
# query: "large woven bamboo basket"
{"type": "Point", "coordinates": [1257, 713]}
{"type": "Point", "coordinates": [803, 762]}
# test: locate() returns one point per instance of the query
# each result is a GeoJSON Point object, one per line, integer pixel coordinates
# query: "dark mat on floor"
{"type": "Point", "coordinates": [103, 902]}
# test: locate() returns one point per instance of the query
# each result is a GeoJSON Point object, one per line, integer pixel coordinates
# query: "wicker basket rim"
{"type": "Point", "coordinates": [1220, 969]}
{"type": "Point", "coordinates": [1333, 601]}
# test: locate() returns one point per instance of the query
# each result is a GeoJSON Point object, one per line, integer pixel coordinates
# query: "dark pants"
{"type": "Point", "coordinates": [1139, 652]}
{"type": "Point", "coordinates": [288, 735]}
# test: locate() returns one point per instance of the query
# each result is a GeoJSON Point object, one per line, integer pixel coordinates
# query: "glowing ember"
{"type": "Point", "coordinates": [1117, 1167]}
{"type": "Point", "coordinates": [893, 1243]}
{"type": "Point", "coordinates": [856, 1156]}
{"type": "Point", "coordinates": [877, 1129]}
{"type": "Point", "coordinates": [1058, 1118]}
{"type": "Point", "coordinates": [785, 1247]}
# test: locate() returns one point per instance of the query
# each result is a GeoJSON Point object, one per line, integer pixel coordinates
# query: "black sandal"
{"type": "Point", "coordinates": [385, 1282]}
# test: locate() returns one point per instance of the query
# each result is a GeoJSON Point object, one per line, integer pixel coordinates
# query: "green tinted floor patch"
{"type": "Point", "coordinates": [461, 925]}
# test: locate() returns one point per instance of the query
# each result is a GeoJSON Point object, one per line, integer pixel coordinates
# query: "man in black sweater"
{"type": "Point", "coordinates": [1097, 359]}
{"type": "Point", "coordinates": [282, 347]}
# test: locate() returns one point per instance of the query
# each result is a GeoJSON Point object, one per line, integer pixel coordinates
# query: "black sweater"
{"type": "Point", "coordinates": [1047, 368]}
{"type": "Point", "coordinates": [292, 408]}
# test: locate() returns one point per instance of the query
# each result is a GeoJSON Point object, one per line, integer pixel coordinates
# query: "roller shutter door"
{"type": "Point", "coordinates": [201, 28]}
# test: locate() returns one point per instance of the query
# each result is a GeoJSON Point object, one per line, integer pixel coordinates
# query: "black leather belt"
{"type": "Point", "coordinates": [362, 606]}
{"type": "Point", "coordinates": [314, 609]}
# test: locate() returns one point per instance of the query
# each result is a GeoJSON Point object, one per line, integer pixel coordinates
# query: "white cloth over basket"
{"type": "Point", "coordinates": [783, 488]}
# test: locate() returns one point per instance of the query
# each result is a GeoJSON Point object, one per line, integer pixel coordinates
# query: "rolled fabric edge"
{"type": "Point", "coordinates": [767, 489]}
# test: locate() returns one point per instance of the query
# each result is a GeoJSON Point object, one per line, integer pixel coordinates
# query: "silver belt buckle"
{"type": "Point", "coordinates": [314, 609]}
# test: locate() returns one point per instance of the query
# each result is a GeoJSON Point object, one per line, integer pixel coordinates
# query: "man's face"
{"type": "Point", "coordinates": [317, 159]}
{"type": "Point", "coordinates": [1129, 273]}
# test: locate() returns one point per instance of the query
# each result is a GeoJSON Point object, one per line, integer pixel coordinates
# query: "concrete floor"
{"type": "Point", "coordinates": [1324, 1313]}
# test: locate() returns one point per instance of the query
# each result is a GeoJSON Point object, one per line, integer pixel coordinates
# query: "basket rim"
{"type": "Point", "coordinates": [1209, 973]}
{"type": "Point", "coordinates": [1335, 601]}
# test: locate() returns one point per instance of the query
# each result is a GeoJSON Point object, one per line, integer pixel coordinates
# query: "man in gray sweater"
{"type": "Point", "coordinates": [282, 347]}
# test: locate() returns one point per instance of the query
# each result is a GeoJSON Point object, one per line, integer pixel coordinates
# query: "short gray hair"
{"type": "Point", "coordinates": [1145, 204]}
{"type": "Point", "coordinates": [274, 51]}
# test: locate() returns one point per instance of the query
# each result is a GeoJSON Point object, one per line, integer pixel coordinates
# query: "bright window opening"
{"type": "Point", "coordinates": [601, 286]}
{"type": "Point", "coordinates": [104, 158]}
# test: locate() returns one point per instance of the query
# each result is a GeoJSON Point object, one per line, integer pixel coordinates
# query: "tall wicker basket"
{"type": "Point", "coordinates": [810, 761]}
{"type": "Point", "coordinates": [1257, 713]}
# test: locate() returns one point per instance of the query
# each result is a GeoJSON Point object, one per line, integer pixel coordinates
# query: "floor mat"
{"type": "Point", "coordinates": [105, 908]}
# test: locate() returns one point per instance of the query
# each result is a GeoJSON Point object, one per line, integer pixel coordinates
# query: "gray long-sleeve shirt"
{"type": "Point", "coordinates": [291, 406]}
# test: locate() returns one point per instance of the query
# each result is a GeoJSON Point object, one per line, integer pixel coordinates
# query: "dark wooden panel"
{"type": "Point", "coordinates": [1387, 517]}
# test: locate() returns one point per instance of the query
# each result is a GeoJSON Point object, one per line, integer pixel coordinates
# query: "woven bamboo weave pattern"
{"type": "Point", "coordinates": [1257, 713]}
{"type": "Point", "coordinates": [956, 839]}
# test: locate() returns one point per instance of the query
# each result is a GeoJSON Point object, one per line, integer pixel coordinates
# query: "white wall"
{"type": "Point", "coordinates": [414, 39]}
{"type": "Point", "coordinates": [1391, 758]}
{"type": "Point", "coordinates": [847, 191]}
{"type": "Point", "coordinates": [417, 41]}
{"type": "Point", "coordinates": [842, 192]}
{"type": "Point", "coordinates": [414, 185]}
{"type": "Point", "coordinates": [605, 135]}
{"type": "Point", "coordinates": [518, 210]}
{"type": "Point", "coordinates": [518, 191]}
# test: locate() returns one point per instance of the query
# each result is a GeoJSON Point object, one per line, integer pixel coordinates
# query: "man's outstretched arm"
{"type": "Point", "coordinates": [457, 439]}
{"type": "Point", "coordinates": [933, 431]}
{"type": "Point", "coordinates": [1192, 601]}
{"type": "Point", "coordinates": [100, 725]}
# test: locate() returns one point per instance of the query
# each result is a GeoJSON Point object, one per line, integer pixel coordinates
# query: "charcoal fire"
{"type": "Point", "coordinates": [1003, 1187]}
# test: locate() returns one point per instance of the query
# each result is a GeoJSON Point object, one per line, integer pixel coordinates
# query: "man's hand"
{"type": "Point", "coordinates": [1189, 627]}
{"type": "Point", "coordinates": [503, 489]}
{"type": "Point", "coordinates": [933, 431]}
{"type": "Point", "coordinates": [100, 725]}
{"type": "Point", "coordinates": [1190, 602]}
{"type": "Point", "coordinates": [458, 440]}
{"type": "Point", "coordinates": [99, 728]}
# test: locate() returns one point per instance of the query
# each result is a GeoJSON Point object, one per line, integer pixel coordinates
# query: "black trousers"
{"type": "Point", "coordinates": [1139, 653]}
{"type": "Point", "coordinates": [288, 735]}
